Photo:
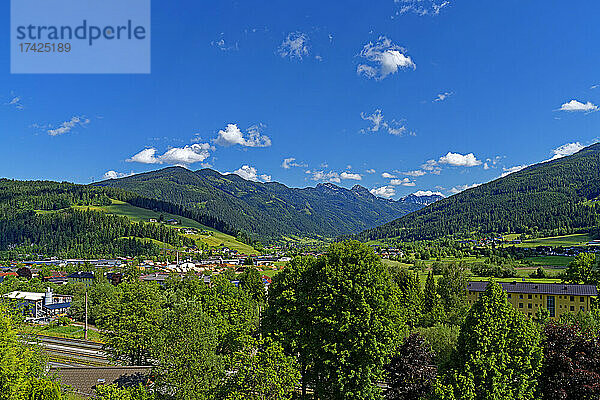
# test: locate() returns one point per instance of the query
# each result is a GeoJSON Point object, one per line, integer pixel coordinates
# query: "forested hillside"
{"type": "Point", "coordinates": [36, 218]}
{"type": "Point", "coordinates": [269, 210]}
{"type": "Point", "coordinates": [554, 197]}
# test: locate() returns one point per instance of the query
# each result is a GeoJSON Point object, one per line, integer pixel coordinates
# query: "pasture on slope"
{"type": "Point", "coordinates": [137, 214]}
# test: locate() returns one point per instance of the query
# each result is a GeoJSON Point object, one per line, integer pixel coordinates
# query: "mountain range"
{"type": "Point", "coordinates": [555, 197]}
{"type": "Point", "coordinates": [270, 210]}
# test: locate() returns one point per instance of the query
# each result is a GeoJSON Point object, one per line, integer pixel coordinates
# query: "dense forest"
{"type": "Point", "coordinates": [552, 198]}
{"type": "Point", "coordinates": [36, 218]}
{"type": "Point", "coordinates": [267, 210]}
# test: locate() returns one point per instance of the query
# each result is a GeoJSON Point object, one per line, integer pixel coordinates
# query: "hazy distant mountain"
{"type": "Point", "coordinates": [268, 209]}
{"type": "Point", "coordinates": [422, 199]}
{"type": "Point", "coordinates": [554, 197]}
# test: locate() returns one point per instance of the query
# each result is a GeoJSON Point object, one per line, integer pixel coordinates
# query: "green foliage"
{"type": "Point", "coordinates": [550, 198]}
{"type": "Point", "coordinates": [411, 295]}
{"type": "Point", "coordinates": [452, 288]}
{"type": "Point", "coordinates": [21, 366]}
{"type": "Point", "coordinates": [130, 321]}
{"type": "Point", "coordinates": [494, 270]}
{"type": "Point", "coordinates": [442, 338]}
{"type": "Point", "coordinates": [269, 210]}
{"type": "Point", "coordinates": [583, 269]}
{"type": "Point", "coordinates": [42, 389]}
{"type": "Point", "coordinates": [252, 283]}
{"type": "Point", "coordinates": [432, 311]}
{"type": "Point", "coordinates": [113, 392]}
{"type": "Point", "coordinates": [187, 352]}
{"type": "Point", "coordinates": [498, 353]}
{"type": "Point", "coordinates": [261, 371]}
{"type": "Point", "coordinates": [539, 273]}
{"type": "Point", "coordinates": [339, 314]}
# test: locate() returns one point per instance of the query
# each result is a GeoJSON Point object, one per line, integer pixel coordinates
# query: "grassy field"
{"type": "Point", "coordinates": [550, 261]}
{"type": "Point", "coordinates": [213, 239]}
{"type": "Point", "coordinates": [521, 273]}
{"type": "Point", "coordinates": [567, 240]}
{"type": "Point", "coordinates": [69, 332]}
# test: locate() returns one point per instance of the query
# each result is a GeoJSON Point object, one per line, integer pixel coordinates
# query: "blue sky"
{"type": "Point", "coordinates": [397, 96]}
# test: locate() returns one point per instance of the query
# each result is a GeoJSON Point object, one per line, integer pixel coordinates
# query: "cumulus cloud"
{"type": "Point", "coordinates": [351, 176]}
{"type": "Point", "coordinates": [403, 182]}
{"type": "Point", "coordinates": [461, 188]}
{"type": "Point", "coordinates": [295, 45]}
{"type": "Point", "coordinates": [421, 7]}
{"type": "Point", "coordinates": [415, 173]}
{"type": "Point", "coordinates": [322, 176]}
{"type": "Point", "coordinates": [566, 150]}
{"type": "Point", "coordinates": [67, 126]}
{"type": "Point", "coordinates": [432, 167]}
{"type": "Point", "coordinates": [575, 105]}
{"type": "Point", "coordinates": [250, 173]}
{"type": "Point", "coordinates": [232, 135]}
{"type": "Point", "coordinates": [384, 191]}
{"type": "Point", "coordinates": [291, 162]}
{"type": "Point", "coordinates": [371, 171]}
{"type": "Point", "coordinates": [378, 122]}
{"type": "Point", "coordinates": [186, 155]}
{"type": "Point", "coordinates": [387, 175]}
{"type": "Point", "coordinates": [384, 58]}
{"type": "Point", "coordinates": [422, 193]}
{"type": "Point", "coordinates": [443, 96]}
{"type": "Point", "coordinates": [460, 160]}
{"type": "Point", "coordinates": [115, 175]}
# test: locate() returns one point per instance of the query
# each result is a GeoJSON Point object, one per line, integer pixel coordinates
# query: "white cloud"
{"type": "Point", "coordinates": [566, 150]}
{"type": "Point", "coordinates": [443, 96]}
{"type": "Point", "coordinates": [511, 170]}
{"type": "Point", "coordinates": [370, 171]}
{"type": "Point", "coordinates": [186, 155]}
{"type": "Point", "coordinates": [378, 122]}
{"type": "Point", "coordinates": [594, 86]}
{"type": "Point", "coordinates": [460, 160]}
{"type": "Point", "coordinates": [250, 173]}
{"type": "Point", "coordinates": [291, 162]}
{"type": "Point", "coordinates": [376, 119]}
{"type": "Point", "coordinates": [146, 156]}
{"type": "Point", "coordinates": [460, 188]}
{"type": "Point", "coordinates": [384, 191]}
{"type": "Point", "coordinates": [384, 58]}
{"type": "Point", "coordinates": [114, 174]}
{"type": "Point", "coordinates": [322, 176]}
{"type": "Point", "coordinates": [387, 175]}
{"type": "Point", "coordinates": [403, 182]}
{"type": "Point", "coordinates": [67, 126]}
{"type": "Point", "coordinates": [223, 45]}
{"type": "Point", "coordinates": [232, 135]}
{"type": "Point", "coordinates": [295, 45]}
{"type": "Point", "coordinates": [348, 175]}
{"type": "Point", "coordinates": [15, 101]}
{"type": "Point", "coordinates": [415, 173]}
{"type": "Point", "coordinates": [432, 167]}
{"type": "Point", "coordinates": [421, 7]}
{"type": "Point", "coordinates": [575, 105]}
{"type": "Point", "coordinates": [422, 193]}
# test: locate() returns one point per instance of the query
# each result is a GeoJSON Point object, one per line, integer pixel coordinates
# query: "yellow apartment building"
{"type": "Point", "coordinates": [528, 297]}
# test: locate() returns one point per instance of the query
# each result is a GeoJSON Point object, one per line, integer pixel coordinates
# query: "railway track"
{"type": "Point", "coordinates": [74, 352]}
